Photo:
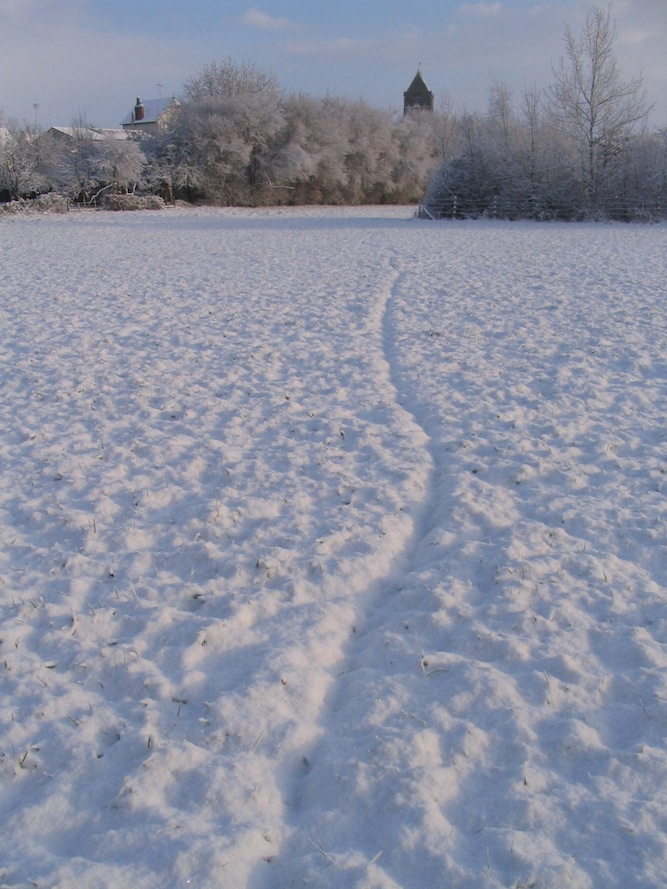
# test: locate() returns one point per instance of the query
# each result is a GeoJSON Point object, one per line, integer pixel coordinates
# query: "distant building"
{"type": "Point", "coordinates": [148, 116]}
{"type": "Point", "coordinates": [417, 97]}
{"type": "Point", "coordinates": [94, 134]}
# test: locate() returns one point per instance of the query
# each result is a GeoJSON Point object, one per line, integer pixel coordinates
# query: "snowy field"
{"type": "Point", "coordinates": [332, 552]}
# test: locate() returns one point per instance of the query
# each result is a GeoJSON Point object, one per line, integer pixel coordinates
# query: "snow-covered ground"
{"type": "Point", "coordinates": [332, 552]}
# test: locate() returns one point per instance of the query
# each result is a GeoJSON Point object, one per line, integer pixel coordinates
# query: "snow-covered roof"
{"type": "Point", "coordinates": [153, 111]}
{"type": "Point", "coordinates": [95, 134]}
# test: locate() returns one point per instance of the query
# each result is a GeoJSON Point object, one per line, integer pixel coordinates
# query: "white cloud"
{"type": "Point", "coordinates": [481, 10]}
{"type": "Point", "coordinates": [255, 18]}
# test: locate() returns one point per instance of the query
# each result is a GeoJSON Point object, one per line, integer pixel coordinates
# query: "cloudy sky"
{"type": "Point", "coordinates": [64, 58]}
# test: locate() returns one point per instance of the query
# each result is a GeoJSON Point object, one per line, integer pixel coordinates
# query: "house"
{"type": "Point", "coordinates": [94, 134]}
{"type": "Point", "coordinates": [150, 115]}
{"type": "Point", "coordinates": [417, 97]}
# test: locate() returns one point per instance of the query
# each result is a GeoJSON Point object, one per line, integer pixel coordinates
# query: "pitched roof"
{"type": "Point", "coordinates": [153, 111]}
{"type": "Point", "coordinates": [418, 84]}
{"type": "Point", "coordinates": [95, 134]}
{"type": "Point", "coordinates": [417, 95]}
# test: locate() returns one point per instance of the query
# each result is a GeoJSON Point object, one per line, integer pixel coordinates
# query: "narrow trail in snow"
{"type": "Point", "coordinates": [380, 653]}
{"type": "Point", "coordinates": [376, 602]}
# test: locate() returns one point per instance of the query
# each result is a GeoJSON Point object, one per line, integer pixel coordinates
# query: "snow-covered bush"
{"type": "Point", "coordinates": [44, 203]}
{"type": "Point", "coordinates": [132, 202]}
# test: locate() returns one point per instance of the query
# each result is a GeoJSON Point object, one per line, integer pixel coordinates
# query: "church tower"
{"type": "Point", "coordinates": [417, 97]}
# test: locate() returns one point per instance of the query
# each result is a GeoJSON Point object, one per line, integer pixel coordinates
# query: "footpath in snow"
{"type": "Point", "coordinates": [332, 552]}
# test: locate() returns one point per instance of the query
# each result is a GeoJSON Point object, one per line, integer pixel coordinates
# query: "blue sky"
{"type": "Point", "coordinates": [93, 57]}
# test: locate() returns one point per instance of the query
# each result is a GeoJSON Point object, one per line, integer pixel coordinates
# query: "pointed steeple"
{"type": "Point", "coordinates": [417, 97]}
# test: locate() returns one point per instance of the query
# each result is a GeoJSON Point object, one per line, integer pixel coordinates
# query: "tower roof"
{"type": "Point", "coordinates": [418, 95]}
{"type": "Point", "coordinates": [418, 84]}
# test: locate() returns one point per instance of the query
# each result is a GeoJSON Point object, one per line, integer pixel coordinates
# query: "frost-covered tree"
{"type": "Point", "coordinates": [71, 160]}
{"type": "Point", "coordinates": [532, 145]}
{"type": "Point", "coordinates": [466, 184]}
{"type": "Point", "coordinates": [445, 125]}
{"type": "Point", "coordinates": [171, 167]}
{"type": "Point", "coordinates": [595, 112]}
{"type": "Point", "coordinates": [235, 138]}
{"type": "Point", "coordinates": [219, 143]}
{"type": "Point", "coordinates": [369, 153]}
{"type": "Point", "coordinates": [230, 141]}
{"type": "Point", "coordinates": [364, 154]}
{"type": "Point", "coordinates": [502, 130]}
{"type": "Point", "coordinates": [298, 151]}
{"type": "Point", "coordinates": [421, 141]}
{"type": "Point", "coordinates": [21, 162]}
{"type": "Point", "coordinates": [583, 152]}
{"type": "Point", "coordinates": [227, 79]}
{"type": "Point", "coordinates": [83, 162]}
{"type": "Point", "coordinates": [308, 165]}
{"type": "Point", "coordinates": [642, 178]}
{"type": "Point", "coordinates": [120, 164]}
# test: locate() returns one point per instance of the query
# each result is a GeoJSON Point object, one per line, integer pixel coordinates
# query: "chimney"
{"type": "Point", "coordinates": [139, 110]}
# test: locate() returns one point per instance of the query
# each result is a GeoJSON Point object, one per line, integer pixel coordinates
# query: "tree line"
{"type": "Point", "coordinates": [580, 149]}
{"type": "Point", "coordinates": [233, 137]}
{"type": "Point", "coordinates": [236, 138]}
